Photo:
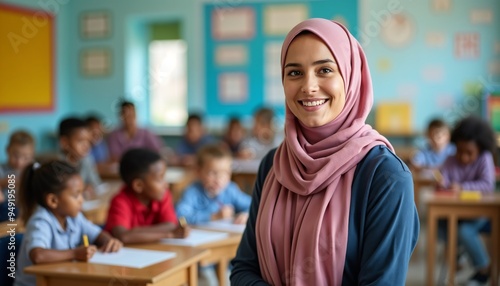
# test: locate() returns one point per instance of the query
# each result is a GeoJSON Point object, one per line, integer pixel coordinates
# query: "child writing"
{"type": "Point", "coordinates": [143, 210]}
{"type": "Point", "coordinates": [437, 149]}
{"type": "Point", "coordinates": [51, 200]}
{"type": "Point", "coordinates": [472, 168]}
{"type": "Point", "coordinates": [20, 153]}
{"type": "Point", "coordinates": [74, 140]}
{"type": "Point", "coordinates": [213, 196]}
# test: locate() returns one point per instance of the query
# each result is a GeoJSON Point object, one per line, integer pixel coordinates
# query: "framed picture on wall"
{"type": "Point", "coordinates": [95, 25]}
{"type": "Point", "coordinates": [95, 62]}
{"type": "Point", "coordinates": [233, 23]}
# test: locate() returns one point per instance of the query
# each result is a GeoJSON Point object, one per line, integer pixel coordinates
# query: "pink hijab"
{"type": "Point", "coordinates": [303, 217]}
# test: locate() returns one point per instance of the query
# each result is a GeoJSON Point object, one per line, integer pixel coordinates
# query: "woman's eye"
{"type": "Point", "coordinates": [294, 73]}
{"type": "Point", "coordinates": [325, 70]}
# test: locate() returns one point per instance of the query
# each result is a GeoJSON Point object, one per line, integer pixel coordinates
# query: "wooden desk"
{"type": "Point", "coordinates": [221, 252]}
{"type": "Point", "coordinates": [452, 209]}
{"type": "Point", "coordinates": [245, 174]}
{"type": "Point", "coordinates": [181, 270]}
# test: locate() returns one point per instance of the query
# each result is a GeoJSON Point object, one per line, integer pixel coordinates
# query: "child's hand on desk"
{"type": "Point", "coordinates": [84, 253]}
{"type": "Point", "coordinates": [226, 212]}
{"type": "Point", "coordinates": [181, 231]}
{"type": "Point", "coordinates": [112, 245]}
{"type": "Point", "coordinates": [241, 218]}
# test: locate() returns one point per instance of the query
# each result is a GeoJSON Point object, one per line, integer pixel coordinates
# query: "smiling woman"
{"type": "Point", "coordinates": [332, 205]}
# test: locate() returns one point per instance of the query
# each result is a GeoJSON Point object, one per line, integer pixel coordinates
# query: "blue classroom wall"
{"type": "Point", "coordinates": [42, 123]}
{"type": "Point", "coordinates": [431, 77]}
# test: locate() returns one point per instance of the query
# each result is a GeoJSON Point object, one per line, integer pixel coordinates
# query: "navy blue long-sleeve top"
{"type": "Point", "coordinates": [383, 224]}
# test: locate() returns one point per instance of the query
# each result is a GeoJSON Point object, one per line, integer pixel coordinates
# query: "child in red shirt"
{"type": "Point", "coordinates": [143, 210]}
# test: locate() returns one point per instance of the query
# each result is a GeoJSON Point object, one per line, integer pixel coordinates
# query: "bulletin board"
{"type": "Point", "coordinates": [243, 44]}
{"type": "Point", "coordinates": [27, 59]}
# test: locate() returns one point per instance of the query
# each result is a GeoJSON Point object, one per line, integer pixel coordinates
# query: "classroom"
{"type": "Point", "coordinates": [166, 129]}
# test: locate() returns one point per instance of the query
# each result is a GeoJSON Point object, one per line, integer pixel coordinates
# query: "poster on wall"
{"type": "Point", "coordinates": [233, 87]}
{"type": "Point", "coordinates": [233, 23]}
{"type": "Point", "coordinates": [231, 55]}
{"type": "Point", "coordinates": [481, 16]}
{"type": "Point", "coordinates": [279, 19]}
{"type": "Point", "coordinates": [274, 94]}
{"type": "Point", "coordinates": [467, 45]}
{"type": "Point", "coordinates": [441, 5]}
{"type": "Point", "coordinates": [435, 39]}
{"type": "Point", "coordinates": [27, 69]}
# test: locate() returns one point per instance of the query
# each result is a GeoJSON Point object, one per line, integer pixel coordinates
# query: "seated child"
{"type": "Point", "coordinates": [99, 149]}
{"type": "Point", "coordinates": [194, 138]}
{"type": "Point", "coordinates": [51, 199]}
{"type": "Point", "coordinates": [472, 168]}
{"type": "Point", "coordinates": [20, 153]}
{"type": "Point", "coordinates": [213, 196]}
{"type": "Point", "coordinates": [263, 137]}
{"type": "Point", "coordinates": [143, 210]}
{"type": "Point", "coordinates": [234, 135]}
{"type": "Point", "coordinates": [74, 140]}
{"type": "Point", "coordinates": [438, 147]}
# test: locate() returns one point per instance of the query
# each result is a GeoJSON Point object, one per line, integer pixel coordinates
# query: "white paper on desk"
{"type": "Point", "coordinates": [196, 237]}
{"type": "Point", "coordinates": [224, 225]}
{"type": "Point", "coordinates": [132, 257]}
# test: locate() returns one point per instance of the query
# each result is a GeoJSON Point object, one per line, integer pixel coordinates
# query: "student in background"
{"type": "Point", "coordinates": [437, 149]}
{"type": "Point", "coordinates": [51, 200]}
{"type": "Point", "coordinates": [143, 210]}
{"type": "Point", "coordinates": [99, 150]}
{"type": "Point", "coordinates": [234, 135]}
{"type": "Point", "coordinates": [262, 138]}
{"type": "Point", "coordinates": [194, 138]}
{"type": "Point", "coordinates": [74, 140]}
{"type": "Point", "coordinates": [20, 153]}
{"type": "Point", "coordinates": [472, 168]}
{"type": "Point", "coordinates": [213, 196]}
{"type": "Point", "coordinates": [129, 135]}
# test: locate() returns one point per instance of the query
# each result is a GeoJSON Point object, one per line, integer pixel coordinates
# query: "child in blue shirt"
{"type": "Point", "coordinates": [213, 196]}
{"type": "Point", "coordinates": [51, 200]}
{"type": "Point", "coordinates": [437, 149]}
{"type": "Point", "coordinates": [20, 153]}
{"type": "Point", "coordinates": [472, 168]}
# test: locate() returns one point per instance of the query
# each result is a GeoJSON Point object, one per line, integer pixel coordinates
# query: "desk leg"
{"type": "Point", "coordinates": [193, 275]}
{"type": "Point", "coordinates": [452, 248]}
{"type": "Point", "coordinates": [495, 249]}
{"type": "Point", "coordinates": [431, 244]}
{"type": "Point", "coordinates": [221, 271]}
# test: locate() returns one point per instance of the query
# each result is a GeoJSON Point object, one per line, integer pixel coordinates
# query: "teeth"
{"type": "Point", "coordinates": [313, 103]}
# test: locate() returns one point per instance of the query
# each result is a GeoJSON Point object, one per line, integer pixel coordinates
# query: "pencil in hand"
{"type": "Point", "coordinates": [85, 240]}
{"type": "Point", "coordinates": [182, 222]}
{"type": "Point", "coordinates": [437, 175]}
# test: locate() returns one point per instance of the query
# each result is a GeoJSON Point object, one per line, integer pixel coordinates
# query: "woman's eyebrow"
{"type": "Point", "coordinates": [318, 62]}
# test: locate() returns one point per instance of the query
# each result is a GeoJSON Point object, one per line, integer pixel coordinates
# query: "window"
{"type": "Point", "coordinates": [168, 82]}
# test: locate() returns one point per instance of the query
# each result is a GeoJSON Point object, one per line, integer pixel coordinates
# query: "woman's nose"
{"type": "Point", "coordinates": [310, 84]}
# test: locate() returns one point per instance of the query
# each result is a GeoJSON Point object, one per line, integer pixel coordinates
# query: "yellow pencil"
{"type": "Point", "coordinates": [437, 175]}
{"type": "Point", "coordinates": [85, 240]}
{"type": "Point", "coordinates": [182, 221]}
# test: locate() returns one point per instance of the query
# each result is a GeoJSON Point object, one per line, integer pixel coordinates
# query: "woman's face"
{"type": "Point", "coordinates": [314, 87]}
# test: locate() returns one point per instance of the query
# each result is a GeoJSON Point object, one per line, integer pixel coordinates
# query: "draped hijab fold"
{"type": "Point", "coordinates": [302, 222]}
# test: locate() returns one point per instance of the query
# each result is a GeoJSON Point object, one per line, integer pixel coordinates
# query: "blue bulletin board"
{"type": "Point", "coordinates": [243, 42]}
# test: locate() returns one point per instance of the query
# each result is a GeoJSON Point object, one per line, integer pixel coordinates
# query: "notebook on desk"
{"type": "Point", "coordinates": [131, 257]}
{"type": "Point", "coordinates": [224, 225]}
{"type": "Point", "coordinates": [196, 237]}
